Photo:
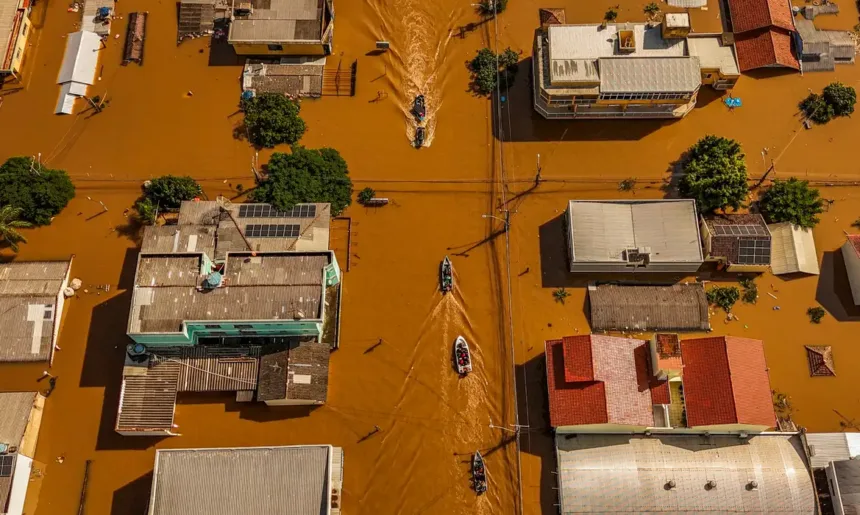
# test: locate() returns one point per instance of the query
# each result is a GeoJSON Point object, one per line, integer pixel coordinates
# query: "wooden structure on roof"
{"type": "Point", "coordinates": [552, 16]}
{"type": "Point", "coordinates": [820, 359]}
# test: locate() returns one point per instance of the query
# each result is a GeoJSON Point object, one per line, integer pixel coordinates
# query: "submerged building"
{"type": "Point", "coordinates": [300, 479]}
{"type": "Point", "coordinates": [627, 70]}
{"type": "Point", "coordinates": [232, 298]}
{"type": "Point", "coordinates": [20, 421]}
{"type": "Point", "coordinates": [15, 28]}
{"type": "Point", "coordinates": [282, 27]}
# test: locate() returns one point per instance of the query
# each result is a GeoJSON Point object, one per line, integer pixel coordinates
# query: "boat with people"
{"type": "Point", "coordinates": [419, 137]}
{"type": "Point", "coordinates": [462, 356]}
{"type": "Point", "coordinates": [446, 276]}
{"type": "Point", "coordinates": [479, 473]}
{"type": "Point", "coordinates": [419, 110]}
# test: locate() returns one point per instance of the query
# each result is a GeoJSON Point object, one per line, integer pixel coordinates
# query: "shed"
{"type": "Point", "coordinates": [792, 250]}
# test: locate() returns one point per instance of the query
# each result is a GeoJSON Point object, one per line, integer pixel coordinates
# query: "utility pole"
{"type": "Point", "coordinates": [537, 176]}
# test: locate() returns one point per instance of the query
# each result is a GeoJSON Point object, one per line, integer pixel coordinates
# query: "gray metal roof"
{"type": "Point", "coordinates": [258, 480]}
{"type": "Point", "coordinates": [629, 474]}
{"type": "Point", "coordinates": [649, 74]}
{"type": "Point", "coordinates": [847, 478]}
{"type": "Point", "coordinates": [792, 250]}
{"type": "Point", "coordinates": [680, 307]}
{"type": "Point", "coordinates": [262, 287]}
{"type": "Point", "coordinates": [15, 410]}
{"type": "Point", "coordinates": [28, 302]}
{"type": "Point", "coordinates": [827, 447]}
{"type": "Point", "coordinates": [601, 230]}
{"type": "Point", "coordinates": [279, 21]}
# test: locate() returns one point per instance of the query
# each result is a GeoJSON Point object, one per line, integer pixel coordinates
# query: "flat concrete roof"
{"type": "Point", "coordinates": [279, 21]}
{"type": "Point", "coordinates": [713, 54]}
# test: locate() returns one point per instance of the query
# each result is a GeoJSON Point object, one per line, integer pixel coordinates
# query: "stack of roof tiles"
{"type": "Point", "coordinates": [763, 31]}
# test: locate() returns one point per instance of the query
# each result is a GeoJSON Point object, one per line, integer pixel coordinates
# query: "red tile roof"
{"type": "Point", "coordinates": [855, 242]}
{"type": "Point", "coordinates": [595, 379]}
{"type": "Point", "coordinates": [755, 14]}
{"type": "Point", "coordinates": [767, 47]}
{"type": "Point", "coordinates": [726, 382]}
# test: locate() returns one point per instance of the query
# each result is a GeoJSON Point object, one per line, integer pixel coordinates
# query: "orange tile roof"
{"type": "Point", "coordinates": [855, 242]}
{"type": "Point", "coordinates": [756, 14]}
{"type": "Point", "coordinates": [768, 47]}
{"type": "Point", "coordinates": [726, 382]}
{"type": "Point", "coordinates": [594, 379]}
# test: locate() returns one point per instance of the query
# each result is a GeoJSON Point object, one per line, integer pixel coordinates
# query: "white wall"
{"type": "Point", "coordinates": [20, 481]}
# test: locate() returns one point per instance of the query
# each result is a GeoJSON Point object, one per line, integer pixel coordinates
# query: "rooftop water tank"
{"type": "Point", "coordinates": [212, 280]}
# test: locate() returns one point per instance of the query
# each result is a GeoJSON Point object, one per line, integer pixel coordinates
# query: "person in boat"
{"type": "Point", "coordinates": [418, 108]}
{"type": "Point", "coordinates": [419, 137]}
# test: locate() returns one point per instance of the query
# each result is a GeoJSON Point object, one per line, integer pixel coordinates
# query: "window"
{"type": "Point", "coordinates": [212, 326]}
{"type": "Point", "coordinates": [276, 48]}
{"type": "Point", "coordinates": [708, 76]}
{"type": "Point", "coordinates": [243, 326]}
{"type": "Point", "coordinates": [18, 54]}
{"type": "Point", "coordinates": [49, 312]}
{"type": "Point", "coordinates": [248, 333]}
{"type": "Point", "coordinates": [218, 333]}
{"type": "Point", "coordinates": [24, 29]}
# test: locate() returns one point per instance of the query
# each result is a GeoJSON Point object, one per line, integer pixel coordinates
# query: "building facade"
{"type": "Point", "coordinates": [626, 70]}
{"type": "Point", "coordinates": [15, 28]}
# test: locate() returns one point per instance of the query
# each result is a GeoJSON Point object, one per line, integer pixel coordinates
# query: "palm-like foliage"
{"type": "Point", "coordinates": [10, 222]}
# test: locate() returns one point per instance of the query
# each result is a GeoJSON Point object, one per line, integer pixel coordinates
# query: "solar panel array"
{"type": "Point", "coordinates": [754, 252]}
{"type": "Point", "coordinates": [6, 462]}
{"type": "Point", "coordinates": [267, 211]}
{"type": "Point", "coordinates": [740, 230]}
{"type": "Point", "coordinates": [272, 231]}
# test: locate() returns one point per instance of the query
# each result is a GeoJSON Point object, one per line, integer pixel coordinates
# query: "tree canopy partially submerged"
{"type": "Point", "coordinates": [272, 119]}
{"type": "Point", "coordinates": [715, 174]}
{"type": "Point", "coordinates": [165, 192]}
{"type": "Point", "coordinates": [39, 192]}
{"type": "Point", "coordinates": [488, 69]}
{"type": "Point", "coordinates": [306, 175]}
{"type": "Point", "coordinates": [792, 201]}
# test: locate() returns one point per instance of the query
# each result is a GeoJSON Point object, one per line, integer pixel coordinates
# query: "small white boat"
{"type": "Point", "coordinates": [462, 356]}
{"type": "Point", "coordinates": [446, 275]}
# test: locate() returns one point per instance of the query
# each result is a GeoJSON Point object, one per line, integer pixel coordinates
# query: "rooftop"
{"type": "Point", "coordinates": [649, 74]}
{"type": "Point", "coordinates": [28, 308]}
{"type": "Point", "coordinates": [595, 379]}
{"type": "Point", "coordinates": [203, 223]}
{"type": "Point", "coordinates": [631, 474]}
{"type": "Point", "coordinates": [168, 290]}
{"type": "Point", "coordinates": [299, 372]}
{"type": "Point", "coordinates": [279, 21]}
{"type": "Point", "coordinates": [680, 307]}
{"type": "Point", "coordinates": [764, 48]}
{"type": "Point", "coordinates": [854, 240]}
{"type": "Point", "coordinates": [603, 230]}
{"type": "Point", "coordinates": [15, 411]}
{"type": "Point", "coordinates": [295, 479]}
{"type": "Point", "coordinates": [743, 239]}
{"type": "Point", "coordinates": [820, 360]}
{"type": "Point", "coordinates": [827, 447]}
{"type": "Point", "coordinates": [726, 382]}
{"type": "Point", "coordinates": [747, 15]}
{"type": "Point", "coordinates": [713, 54]}
{"type": "Point", "coordinates": [792, 250]}
{"type": "Point", "coordinates": [846, 477]}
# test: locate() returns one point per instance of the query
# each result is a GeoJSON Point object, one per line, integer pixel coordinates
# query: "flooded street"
{"type": "Point", "coordinates": [430, 420]}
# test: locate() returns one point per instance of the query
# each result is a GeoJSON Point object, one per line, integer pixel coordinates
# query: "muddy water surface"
{"type": "Point", "coordinates": [177, 113]}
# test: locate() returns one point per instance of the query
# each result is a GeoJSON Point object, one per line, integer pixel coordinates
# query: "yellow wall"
{"type": "Point", "coordinates": [20, 44]}
{"type": "Point", "coordinates": [288, 49]}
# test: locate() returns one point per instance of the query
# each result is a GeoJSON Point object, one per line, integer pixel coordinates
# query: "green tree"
{"type": "Point", "coordinates": [272, 119]}
{"type": "Point", "coordinates": [651, 9]}
{"type": "Point", "coordinates": [715, 174]}
{"type": "Point", "coordinates": [841, 97]}
{"type": "Point", "coordinates": [40, 193]}
{"type": "Point", "coordinates": [610, 16]}
{"type": "Point", "coordinates": [487, 68]}
{"type": "Point", "coordinates": [10, 222]}
{"type": "Point", "coordinates": [365, 195]}
{"type": "Point", "coordinates": [492, 7]}
{"type": "Point", "coordinates": [168, 191]}
{"type": "Point", "coordinates": [724, 296]}
{"type": "Point", "coordinates": [792, 201]}
{"type": "Point", "coordinates": [306, 175]}
{"type": "Point", "coordinates": [817, 109]}
{"type": "Point", "coordinates": [146, 211]}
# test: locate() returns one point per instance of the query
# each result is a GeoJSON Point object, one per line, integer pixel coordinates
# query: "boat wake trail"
{"type": "Point", "coordinates": [419, 33]}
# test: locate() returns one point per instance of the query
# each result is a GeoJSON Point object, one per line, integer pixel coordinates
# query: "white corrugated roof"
{"type": "Point", "coordinates": [649, 74]}
{"type": "Point", "coordinates": [259, 480]}
{"type": "Point", "coordinates": [792, 250]}
{"type": "Point", "coordinates": [81, 58]}
{"type": "Point", "coordinates": [827, 447]}
{"type": "Point", "coordinates": [601, 230]}
{"type": "Point", "coordinates": [630, 474]}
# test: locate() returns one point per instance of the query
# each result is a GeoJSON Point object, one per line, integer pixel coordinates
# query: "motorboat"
{"type": "Point", "coordinates": [419, 137]}
{"type": "Point", "coordinates": [479, 473]}
{"type": "Point", "coordinates": [446, 276]}
{"type": "Point", "coordinates": [462, 356]}
{"type": "Point", "coordinates": [419, 110]}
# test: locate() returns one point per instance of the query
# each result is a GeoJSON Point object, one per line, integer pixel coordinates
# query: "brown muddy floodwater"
{"type": "Point", "coordinates": [430, 420]}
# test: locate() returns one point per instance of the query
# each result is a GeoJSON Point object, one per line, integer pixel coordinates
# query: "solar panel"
{"type": "Point", "coordinates": [6, 462]}
{"type": "Point", "coordinates": [753, 252]}
{"type": "Point", "coordinates": [272, 230]}
{"type": "Point", "coordinates": [739, 230]}
{"type": "Point", "coordinates": [267, 211]}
